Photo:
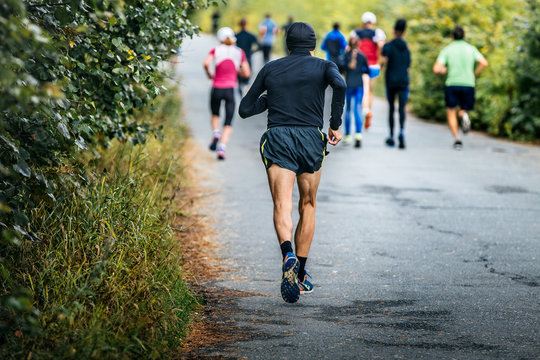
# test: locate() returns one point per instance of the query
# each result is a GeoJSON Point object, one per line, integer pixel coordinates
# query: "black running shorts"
{"type": "Point", "coordinates": [462, 96]}
{"type": "Point", "coordinates": [217, 95]}
{"type": "Point", "coordinates": [297, 148]}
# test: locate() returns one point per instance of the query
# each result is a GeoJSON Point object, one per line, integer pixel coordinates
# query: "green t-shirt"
{"type": "Point", "coordinates": [460, 58]}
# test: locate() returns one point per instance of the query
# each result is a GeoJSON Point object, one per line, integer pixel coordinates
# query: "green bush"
{"type": "Point", "coordinates": [88, 265]}
{"type": "Point", "coordinates": [494, 28]}
{"type": "Point", "coordinates": [72, 74]}
{"type": "Point", "coordinates": [106, 281]}
{"type": "Point", "coordinates": [524, 122]}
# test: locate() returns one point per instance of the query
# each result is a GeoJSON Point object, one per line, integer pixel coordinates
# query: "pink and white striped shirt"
{"type": "Point", "coordinates": [227, 59]}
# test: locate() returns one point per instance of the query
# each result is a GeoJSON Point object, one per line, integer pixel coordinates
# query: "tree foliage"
{"type": "Point", "coordinates": [74, 76]}
{"type": "Point", "coordinates": [524, 122]}
{"type": "Point", "coordinates": [489, 25]}
{"type": "Point", "coordinates": [73, 73]}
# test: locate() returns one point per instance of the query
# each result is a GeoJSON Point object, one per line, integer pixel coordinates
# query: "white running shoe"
{"type": "Point", "coordinates": [465, 123]}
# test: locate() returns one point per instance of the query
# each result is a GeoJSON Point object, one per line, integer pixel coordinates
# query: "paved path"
{"type": "Point", "coordinates": [424, 253]}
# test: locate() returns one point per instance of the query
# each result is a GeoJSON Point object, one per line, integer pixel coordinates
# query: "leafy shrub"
{"type": "Point", "coordinates": [489, 26]}
{"type": "Point", "coordinates": [107, 279]}
{"type": "Point", "coordinates": [85, 256]}
{"type": "Point", "coordinates": [72, 73]}
{"type": "Point", "coordinates": [524, 122]}
{"type": "Point", "coordinates": [495, 28]}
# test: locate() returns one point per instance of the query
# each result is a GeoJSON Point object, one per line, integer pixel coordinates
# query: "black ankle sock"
{"type": "Point", "coordinates": [302, 270]}
{"type": "Point", "coordinates": [286, 247]}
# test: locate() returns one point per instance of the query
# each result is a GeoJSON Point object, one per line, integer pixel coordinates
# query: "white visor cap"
{"type": "Point", "coordinates": [369, 18]}
{"type": "Point", "coordinates": [224, 33]}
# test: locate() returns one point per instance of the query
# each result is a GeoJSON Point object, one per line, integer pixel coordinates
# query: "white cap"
{"type": "Point", "coordinates": [224, 33]}
{"type": "Point", "coordinates": [353, 34]}
{"type": "Point", "coordinates": [369, 18]}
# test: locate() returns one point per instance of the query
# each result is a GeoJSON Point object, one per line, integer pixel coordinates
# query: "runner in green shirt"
{"type": "Point", "coordinates": [462, 62]}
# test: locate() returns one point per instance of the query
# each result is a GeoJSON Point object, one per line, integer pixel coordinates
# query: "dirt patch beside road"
{"type": "Point", "coordinates": [213, 326]}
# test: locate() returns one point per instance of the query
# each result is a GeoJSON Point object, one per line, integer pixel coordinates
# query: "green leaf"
{"type": "Point", "coordinates": [22, 168]}
{"type": "Point", "coordinates": [80, 143]}
{"type": "Point", "coordinates": [64, 130]}
{"type": "Point", "coordinates": [21, 219]}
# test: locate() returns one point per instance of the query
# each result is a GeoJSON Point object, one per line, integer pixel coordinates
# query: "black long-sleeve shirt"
{"type": "Point", "coordinates": [295, 87]}
{"type": "Point", "coordinates": [245, 41]}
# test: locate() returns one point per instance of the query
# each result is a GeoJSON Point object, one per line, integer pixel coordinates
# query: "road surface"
{"type": "Point", "coordinates": [423, 253]}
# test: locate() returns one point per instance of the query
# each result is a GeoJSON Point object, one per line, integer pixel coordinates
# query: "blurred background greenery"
{"type": "Point", "coordinates": [505, 32]}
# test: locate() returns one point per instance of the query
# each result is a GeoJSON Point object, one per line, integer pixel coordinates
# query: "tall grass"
{"type": "Point", "coordinates": [106, 281]}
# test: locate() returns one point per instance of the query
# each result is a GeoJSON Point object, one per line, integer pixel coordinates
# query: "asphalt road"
{"type": "Point", "coordinates": [424, 253]}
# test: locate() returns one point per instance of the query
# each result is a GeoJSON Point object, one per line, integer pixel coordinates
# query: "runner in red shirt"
{"type": "Point", "coordinates": [229, 61]}
{"type": "Point", "coordinates": [371, 43]}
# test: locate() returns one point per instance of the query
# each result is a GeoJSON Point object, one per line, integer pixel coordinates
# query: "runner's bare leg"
{"type": "Point", "coordinates": [226, 134]}
{"type": "Point", "coordinates": [308, 184]}
{"type": "Point", "coordinates": [215, 122]}
{"type": "Point", "coordinates": [452, 122]}
{"type": "Point", "coordinates": [281, 183]}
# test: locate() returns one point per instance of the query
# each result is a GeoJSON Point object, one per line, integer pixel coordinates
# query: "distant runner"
{"type": "Point", "coordinates": [247, 42]}
{"type": "Point", "coordinates": [371, 42]}
{"type": "Point", "coordinates": [285, 28]}
{"type": "Point", "coordinates": [294, 145]}
{"type": "Point", "coordinates": [357, 76]}
{"type": "Point", "coordinates": [462, 62]}
{"type": "Point", "coordinates": [334, 44]}
{"type": "Point", "coordinates": [396, 57]}
{"type": "Point", "coordinates": [229, 61]}
{"type": "Point", "coordinates": [268, 30]}
{"type": "Point", "coordinates": [215, 21]}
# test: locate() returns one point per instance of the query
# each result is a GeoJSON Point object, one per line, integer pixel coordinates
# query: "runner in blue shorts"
{"type": "Point", "coordinates": [294, 146]}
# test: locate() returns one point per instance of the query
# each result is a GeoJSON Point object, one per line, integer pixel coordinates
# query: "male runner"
{"type": "Point", "coordinates": [370, 44]}
{"type": "Point", "coordinates": [285, 28]}
{"type": "Point", "coordinates": [268, 30]}
{"type": "Point", "coordinates": [229, 61]}
{"type": "Point", "coordinates": [334, 44]}
{"type": "Point", "coordinates": [462, 62]}
{"type": "Point", "coordinates": [245, 41]}
{"type": "Point", "coordinates": [294, 145]}
{"type": "Point", "coordinates": [396, 57]}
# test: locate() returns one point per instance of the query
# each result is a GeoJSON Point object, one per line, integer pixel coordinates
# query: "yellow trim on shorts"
{"type": "Point", "coordinates": [262, 152]}
{"type": "Point", "coordinates": [322, 135]}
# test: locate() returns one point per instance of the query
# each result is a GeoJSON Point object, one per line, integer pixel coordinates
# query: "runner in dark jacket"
{"type": "Point", "coordinates": [397, 59]}
{"type": "Point", "coordinates": [294, 146]}
{"type": "Point", "coordinates": [247, 42]}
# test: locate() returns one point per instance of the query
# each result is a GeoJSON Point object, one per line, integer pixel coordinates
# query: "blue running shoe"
{"type": "Point", "coordinates": [290, 292]}
{"type": "Point", "coordinates": [214, 143]}
{"type": "Point", "coordinates": [305, 286]}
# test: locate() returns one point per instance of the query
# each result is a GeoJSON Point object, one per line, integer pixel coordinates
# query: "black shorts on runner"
{"type": "Point", "coordinates": [300, 149]}
{"type": "Point", "coordinates": [462, 96]}
{"type": "Point", "coordinates": [217, 95]}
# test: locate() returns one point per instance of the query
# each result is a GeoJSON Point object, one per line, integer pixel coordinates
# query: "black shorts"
{"type": "Point", "coordinates": [300, 149]}
{"type": "Point", "coordinates": [462, 96]}
{"type": "Point", "coordinates": [216, 97]}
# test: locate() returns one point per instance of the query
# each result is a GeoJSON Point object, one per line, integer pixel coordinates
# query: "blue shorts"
{"type": "Point", "coordinates": [462, 96]}
{"type": "Point", "coordinates": [374, 71]}
{"type": "Point", "coordinates": [300, 149]}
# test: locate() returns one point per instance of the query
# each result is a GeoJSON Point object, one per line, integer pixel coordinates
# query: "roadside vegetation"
{"type": "Point", "coordinates": [506, 32]}
{"type": "Point", "coordinates": [90, 166]}
{"type": "Point", "coordinates": [106, 279]}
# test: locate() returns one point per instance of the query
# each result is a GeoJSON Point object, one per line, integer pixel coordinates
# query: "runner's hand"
{"type": "Point", "coordinates": [365, 111]}
{"type": "Point", "coordinates": [334, 136]}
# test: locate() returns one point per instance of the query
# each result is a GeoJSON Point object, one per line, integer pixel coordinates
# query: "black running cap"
{"type": "Point", "coordinates": [301, 35]}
